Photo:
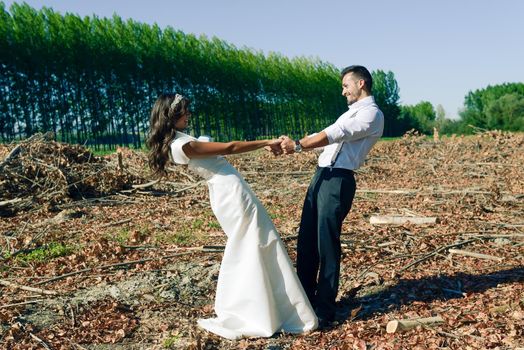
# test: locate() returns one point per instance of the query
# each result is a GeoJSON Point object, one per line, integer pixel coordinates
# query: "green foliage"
{"type": "Point", "coordinates": [121, 236]}
{"type": "Point", "coordinates": [386, 93]}
{"type": "Point", "coordinates": [197, 224]}
{"type": "Point", "coordinates": [495, 107]}
{"type": "Point", "coordinates": [46, 253]}
{"type": "Point", "coordinates": [101, 152]}
{"type": "Point", "coordinates": [214, 225]}
{"type": "Point", "coordinates": [388, 139]}
{"type": "Point", "coordinates": [124, 234]}
{"type": "Point", "coordinates": [181, 236]}
{"type": "Point", "coordinates": [506, 113]}
{"type": "Point", "coordinates": [448, 127]}
{"type": "Point", "coordinates": [421, 116]}
{"type": "Point", "coordinates": [171, 341]}
{"type": "Point", "coordinates": [93, 80]}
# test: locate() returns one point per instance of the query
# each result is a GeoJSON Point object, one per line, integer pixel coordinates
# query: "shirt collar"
{"type": "Point", "coordinates": [366, 101]}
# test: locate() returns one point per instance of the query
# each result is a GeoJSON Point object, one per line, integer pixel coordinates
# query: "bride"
{"type": "Point", "coordinates": [258, 292]}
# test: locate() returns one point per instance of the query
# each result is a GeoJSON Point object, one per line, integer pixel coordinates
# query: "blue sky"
{"type": "Point", "coordinates": [438, 50]}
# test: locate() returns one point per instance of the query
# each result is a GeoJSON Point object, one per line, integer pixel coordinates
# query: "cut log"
{"type": "Point", "coordinates": [399, 220]}
{"type": "Point", "coordinates": [475, 255]}
{"type": "Point", "coordinates": [405, 325]}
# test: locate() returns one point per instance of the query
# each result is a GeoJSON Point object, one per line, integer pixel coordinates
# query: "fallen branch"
{"type": "Point", "coordinates": [400, 220]}
{"type": "Point", "coordinates": [204, 248]}
{"type": "Point", "coordinates": [464, 191]}
{"type": "Point", "coordinates": [77, 345]}
{"type": "Point", "coordinates": [29, 289]}
{"type": "Point", "coordinates": [189, 187]}
{"type": "Point", "coordinates": [191, 178]}
{"type": "Point", "coordinates": [475, 255]}
{"type": "Point", "coordinates": [146, 185]}
{"type": "Point", "coordinates": [10, 202]}
{"type": "Point", "coordinates": [502, 224]}
{"type": "Point", "coordinates": [116, 223]}
{"type": "Point", "coordinates": [97, 201]}
{"type": "Point", "coordinates": [446, 334]}
{"type": "Point", "coordinates": [388, 191]}
{"type": "Point", "coordinates": [405, 325]}
{"type": "Point", "coordinates": [14, 152]}
{"type": "Point", "coordinates": [435, 252]}
{"type": "Point", "coordinates": [23, 303]}
{"type": "Point", "coordinates": [483, 235]}
{"type": "Point", "coordinates": [64, 276]}
{"type": "Point", "coordinates": [139, 247]}
{"type": "Point", "coordinates": [40, 341]}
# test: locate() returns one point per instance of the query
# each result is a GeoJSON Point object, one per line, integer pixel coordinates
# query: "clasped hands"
{"type": "Point", "coordinates": [282, 145]}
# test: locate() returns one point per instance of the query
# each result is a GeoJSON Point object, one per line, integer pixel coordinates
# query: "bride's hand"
{"type": "Point", "coordinates": [287, 145]}
{"type": "Point", "coordinates": [274, 146]}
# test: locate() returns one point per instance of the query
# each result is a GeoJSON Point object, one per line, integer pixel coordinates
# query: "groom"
{"type": "Point", "coordinates": [330, 194]}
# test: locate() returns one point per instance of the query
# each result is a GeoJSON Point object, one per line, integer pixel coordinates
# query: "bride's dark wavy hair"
{"type": "Point", "coordinates": [164, 115]}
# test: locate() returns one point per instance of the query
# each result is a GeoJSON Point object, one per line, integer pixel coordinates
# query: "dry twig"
{"type": "Point", "coordinates": [30, 289]}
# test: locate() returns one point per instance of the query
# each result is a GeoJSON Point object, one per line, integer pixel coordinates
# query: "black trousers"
{"type": "Point", "coordinates": [328, 201]}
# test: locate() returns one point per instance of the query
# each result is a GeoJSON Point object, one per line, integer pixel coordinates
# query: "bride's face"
{"type": "Point", "coordinates": [183, 121]}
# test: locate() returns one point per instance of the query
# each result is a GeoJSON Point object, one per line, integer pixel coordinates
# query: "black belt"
{"type": "Point", "coordinates": [337, 171]}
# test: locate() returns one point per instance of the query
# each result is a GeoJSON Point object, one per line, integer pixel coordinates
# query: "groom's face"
{"type": "Point", "coordinates": [351, 88]}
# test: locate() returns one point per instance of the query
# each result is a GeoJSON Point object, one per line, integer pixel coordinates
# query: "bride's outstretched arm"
{"type": "Point", "coordinates": [310, 142]}
{"type": "Point", "coordinates": [196, 149]}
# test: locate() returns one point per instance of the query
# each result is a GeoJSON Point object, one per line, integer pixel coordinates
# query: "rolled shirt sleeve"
{"type": "Point", "coordinates": [353, 135]}
{"type": "Point", "coordinates": [359, 124]}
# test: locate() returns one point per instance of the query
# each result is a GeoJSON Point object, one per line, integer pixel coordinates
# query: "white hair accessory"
{"type": "Point", "coordinates": [176, 101]}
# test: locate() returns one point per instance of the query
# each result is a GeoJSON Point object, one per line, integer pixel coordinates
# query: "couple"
{"type": "Point", "coordinates": [258, 291]}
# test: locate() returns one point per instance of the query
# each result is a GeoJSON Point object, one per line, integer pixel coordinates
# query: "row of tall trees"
{"type": "Point", "coordinates": [95, 79]}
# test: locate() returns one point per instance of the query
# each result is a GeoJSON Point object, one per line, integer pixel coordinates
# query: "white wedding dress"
{"type": "Point", "coordinates": [258, 292]}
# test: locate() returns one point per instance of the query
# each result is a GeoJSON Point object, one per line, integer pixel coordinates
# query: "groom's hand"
{"type": "Point", "coordinates": [287, 145]}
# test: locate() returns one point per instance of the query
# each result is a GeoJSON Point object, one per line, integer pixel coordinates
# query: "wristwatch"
{"type": "Point", "coordinates": [298, 146]}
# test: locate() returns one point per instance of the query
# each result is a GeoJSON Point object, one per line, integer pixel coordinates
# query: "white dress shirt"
{"type": "Point", "coordinates": [359, 129]}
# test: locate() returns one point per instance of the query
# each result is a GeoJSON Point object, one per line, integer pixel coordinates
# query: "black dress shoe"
{"type": "Point", "coordinates": [324, 324]}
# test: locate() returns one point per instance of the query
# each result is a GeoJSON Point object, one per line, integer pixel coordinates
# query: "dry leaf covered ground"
{"type": "Point", "coordinates": [90, 261]}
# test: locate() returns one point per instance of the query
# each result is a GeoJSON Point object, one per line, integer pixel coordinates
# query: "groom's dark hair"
{"type": "Point", "coordinates": [359, 72]}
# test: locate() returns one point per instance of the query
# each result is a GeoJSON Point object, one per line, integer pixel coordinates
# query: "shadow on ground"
{"type": "Point", "coordinates": [406, 291]}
